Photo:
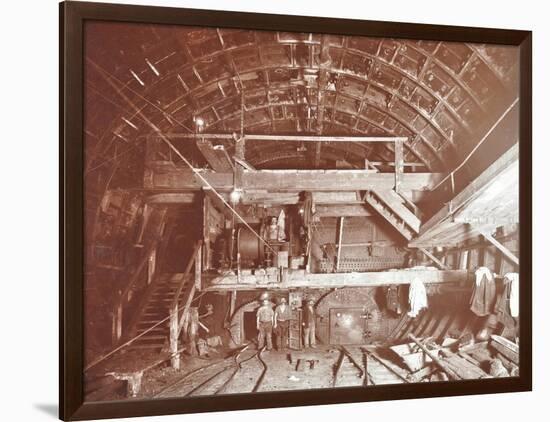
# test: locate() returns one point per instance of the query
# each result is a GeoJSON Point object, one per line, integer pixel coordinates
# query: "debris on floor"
{"type": "Point", "coordinates": [423, 359]}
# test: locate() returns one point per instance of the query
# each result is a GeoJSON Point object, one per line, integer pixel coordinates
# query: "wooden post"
{"type": "Point", "coordinates": [240, 154]}
{"type": "Point", "coordinates": [175, 357]}
{"type": "Point", "coordinates": [399, 164]}
{"type": "Point", "coordinates": [198, 268]}
{"type": "Point", "coordinates": [233, 303]}
{"type": "Point", "coordinates": [206, 231]}
{"type": "Point", "coordinates": [464, 259]}
{"type": "Point", "coordinates": [339, 252]}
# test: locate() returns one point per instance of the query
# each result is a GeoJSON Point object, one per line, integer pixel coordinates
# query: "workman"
{"type": "Point", "coordinates": [281, 322]}
{"type": "Point", "coordinates": [264, 323]}
{"type": "Point", "coordinates": [308, 323]}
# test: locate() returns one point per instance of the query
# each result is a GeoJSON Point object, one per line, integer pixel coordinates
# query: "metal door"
{"type": "Point", "coordinates": [347, 326]}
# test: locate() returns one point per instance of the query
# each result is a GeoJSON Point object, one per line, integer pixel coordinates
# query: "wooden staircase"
{"type": "Point", "coordinates": [155, 308]}
{"type": "Point", "coordinates": [396, 210]}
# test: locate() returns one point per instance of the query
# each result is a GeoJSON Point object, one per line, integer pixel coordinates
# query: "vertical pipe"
{"type": "Point", "coordinates": [399, 164]}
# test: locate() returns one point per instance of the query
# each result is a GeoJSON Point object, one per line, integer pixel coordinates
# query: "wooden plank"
{"type": "Point", "coordinates": [439, 264]}
{"type": "Point", "coordinates": [396, 203]}
{"type": "Point", "coordinates": [465, 369]}
{"type": "Point", "coordinates": [348, 210]}
{"type": "Point", "coordinates": [216, 158]}
{"type": "Point", "coordinates": [175, 356]}
{"type": "Point", "coordinates": [505, 251]}
{"type": "Point", "coordinates": [505, 347]}
{"type": "Point", "coordinates": [394, 369]}
{"type": "Point", "coordinates": [301, 279]}
{"type": "Point", "coordinates": [399, 168]}
{"type": "Point", "coordinates": [429, 230]}
{"type": "Point", "coordinates": [172, 198]}
{"type": "Point", "coordinates": [170, 177]}
{"type": "Point", "coordinates": [438, 362]}
{"type": "Point", "coordinates": [386, 212]}
{"type": "Point", "coordinates": [450, 234]}
{"type": "Point", "coordinates": [198, 269]}
{"type": "Point", "coordinates": [289, 138]}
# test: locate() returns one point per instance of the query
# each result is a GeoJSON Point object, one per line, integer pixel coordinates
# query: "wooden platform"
{"type": "Point", "coordinates": [301, 279]}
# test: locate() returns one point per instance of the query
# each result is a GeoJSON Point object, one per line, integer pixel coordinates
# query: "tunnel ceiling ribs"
{"type": "Point", "coordinates": [435, 93]}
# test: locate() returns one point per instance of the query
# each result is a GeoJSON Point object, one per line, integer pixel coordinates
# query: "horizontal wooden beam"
{"type": "Point", "coordinates": [290, 138]}
{"type": "Point", "coordinates": [350, 210]}
{"type": "Point", "coordinates": [173, 198]}
{"type": "Point", "coordinates": [301, 279]}
{"type": "Point", "coordinates": [170, 177]}
{"type": "Point", "coordinates": [325, 201]}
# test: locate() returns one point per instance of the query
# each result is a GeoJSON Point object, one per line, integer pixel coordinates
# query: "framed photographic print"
{"type": "Point", "coordinates": [268, 210]}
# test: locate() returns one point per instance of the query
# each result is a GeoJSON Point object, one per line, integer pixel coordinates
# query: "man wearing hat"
{"type": "Point", "coordinates": [308, 322]}
{"type": "Point", "coordinates": [281, 322]}
{"type": "Point", "coordinates": [264, 323]}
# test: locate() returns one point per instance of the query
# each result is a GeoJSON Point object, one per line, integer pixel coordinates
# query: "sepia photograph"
{"type": "Point", "coordinates": [270, 211]}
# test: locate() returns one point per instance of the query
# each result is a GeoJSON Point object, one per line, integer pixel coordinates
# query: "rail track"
{"type": "Point", "coordinates": [243, 372]}
{"type": "Point", "coordinates": [349, 369]}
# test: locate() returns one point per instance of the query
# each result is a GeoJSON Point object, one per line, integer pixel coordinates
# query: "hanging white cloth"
{"type": "Point", "coordinates": [513, 278]}
{"type": "Point", "coordinates": [281, 225]}
{"type": "Point", "coordinates": [483, 271]}
{"type": "Point", "coordinates": [418, 299]}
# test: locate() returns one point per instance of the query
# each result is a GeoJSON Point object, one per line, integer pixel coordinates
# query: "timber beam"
{"type": "Point", "coordinates": [505, 251]}
{"type": "Point", "coordinates": [287, 138]}
{"type": "Point", "coordinates": [216, 156]}
{"type": "Point", "coordinates": [346, 210]}
{"type": "Point", "coordinates": [301, 279]}
{"type": "Point", "coordinates": [437, 262]}
{"type": "Point", "coordinates": [169, 177]}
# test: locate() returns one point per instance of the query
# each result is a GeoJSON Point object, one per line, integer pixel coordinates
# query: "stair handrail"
{"type": "Point", "coordinates": [177, 294]}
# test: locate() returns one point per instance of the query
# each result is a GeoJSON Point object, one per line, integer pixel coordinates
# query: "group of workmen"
{"type": "Point", "coordinates": [269, 320]}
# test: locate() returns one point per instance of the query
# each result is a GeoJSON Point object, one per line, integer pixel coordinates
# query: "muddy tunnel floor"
{"type": "Point", "coordinates": [248, 370]}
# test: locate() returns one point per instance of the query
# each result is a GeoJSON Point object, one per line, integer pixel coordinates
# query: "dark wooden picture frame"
{"type": "Point", "coordinates": [73, 16]}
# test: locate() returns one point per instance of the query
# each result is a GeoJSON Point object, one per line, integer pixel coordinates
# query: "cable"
{"type": "Point", "coordinates": [102, 358]}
